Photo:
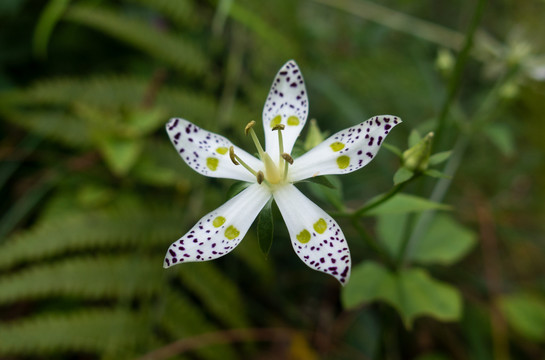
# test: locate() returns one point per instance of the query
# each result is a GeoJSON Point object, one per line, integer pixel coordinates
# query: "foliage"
{"type": "Point", "coordinates": [445, 231]}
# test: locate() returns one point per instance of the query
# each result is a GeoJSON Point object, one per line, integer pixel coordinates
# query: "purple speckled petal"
{"type": "Point", "coordinates": [346, 151]}
{"type": "Point", "coordinates": [316, 237]}
{"type": "Point", "coordinates": [220, 231]}
{"type": "Point", "coordinates": [286, 104]}
{"type": "Point", "coordinates": [208, 153]}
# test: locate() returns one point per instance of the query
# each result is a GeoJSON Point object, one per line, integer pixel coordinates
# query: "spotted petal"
{"type": "Point", "coordinates": [316, 237]}
{"type": "Point", "coordinates": [286, 104]}
{"type": "Point", "coordinates": [220, 231]}
{"type": "Point", "coordinates": [208, 153]}
{"type": "Point", "coordinates": [346, 151]}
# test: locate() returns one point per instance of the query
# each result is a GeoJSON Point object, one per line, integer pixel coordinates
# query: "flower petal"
{"type": "Point", "coordinates": [316, 237]}
{"type": "Point", "coordinates": [220, 231]}
{"type": "Point", "coordinates": [286, 104]}
{"type": "Point", "coordinates": [346, 151]}
{"type": "Point", "coordinates": [208, 153]}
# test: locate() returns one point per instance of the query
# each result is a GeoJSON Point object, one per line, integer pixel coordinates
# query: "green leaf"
{"type": "Point", "coordinates": [215, 291]}
{"type": "Point", "coordinates": [175, 50]}
{"type": "Point", "coordinates": [98, 330]}
{"type": "Point", "coordinates": [526, 314]}
{"type": "Point", "coordinates": [89, 277]}
{"type": "Point", "coordinates": [436, 174]}
{"type": "Point", "coordinates": [321, 180]}
{"type": "Point", "coordinates": [265, 228]}
{"type": "Point", "coordinates": [50, 16]}
{"type": "Point", "coordinates": [502, 138]}
{"type": "Point", "coordinates": [440, 157]}
{"type": "Point", "coordinates": [141, 122]}
{"type": "Point", "coordinates": [412, 292]}
{"type": "Point", "coordinates": [391, 230]}
{"type": "Point", "coordinates": [402, 174]}
{"type": "Point", "coordinates": [120, 154]}
{"type": "Point", "coordinates": [404, 203]}
{"type": "Point", "coordinates": [445, 242]}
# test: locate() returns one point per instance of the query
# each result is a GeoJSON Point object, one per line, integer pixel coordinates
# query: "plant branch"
{"type": "Point", "coordinates": [220, 337]}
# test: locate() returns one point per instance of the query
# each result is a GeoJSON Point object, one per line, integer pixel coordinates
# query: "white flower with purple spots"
{"type": "Point", "coordinates": [316, 237]}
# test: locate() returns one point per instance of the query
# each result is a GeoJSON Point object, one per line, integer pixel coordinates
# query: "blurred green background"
{"type": "Point", "coordinates": [449, 265]}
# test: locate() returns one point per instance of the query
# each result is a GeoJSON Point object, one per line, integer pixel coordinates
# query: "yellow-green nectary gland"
{"type": "Point", "coordinates": [320, 226]}
{"type": "Point", "coordinates": [276, 120]}
{"type": "Point", "coordinates": [343, 162]}
{"type": "Point", "coordinates": [337, 146]}
{"type": "Point", "coordinates": [218, 221]}
{"type": "Point", "coordinates": [272, 174]}
{"type": "Point", "coordinates": [293, 121]}
{"type": "Point", "coordinates": [231, 232]}
{"type": "Point", "coordinates": [222, 150]}
{"type": "Point", "coordinates": [303, 237]}
{"type": "Point", "coordinates": [212, 163]}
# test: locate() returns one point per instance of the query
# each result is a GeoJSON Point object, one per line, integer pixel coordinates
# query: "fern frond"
{"type": "Point", "coordinates": [181, 12]}
{"type": "Point", "coordinates": [160, 166]}
{"type": "Point", "coordinates": [216, 291]}
{"type": "Point", "coordinates": [104, 92]}
{"type": "Point", "coordinates": [174, 50]}
{"type": "Point", "coordinates": [52, 124]}
{"type": "Point", "coordinates": [184, 319]}
{"type": "Point", "coordinates": [95, 331]}
{"type": "Point", "coordinates": [121, 276]}
{"type": "Point", "coordinates": [108, 229]}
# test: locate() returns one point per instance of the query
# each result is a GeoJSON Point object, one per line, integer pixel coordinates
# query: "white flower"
{"type": "Point", "coordinates": [316, 237]}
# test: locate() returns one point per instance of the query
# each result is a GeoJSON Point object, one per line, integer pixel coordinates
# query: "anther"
{"type": "Point", "coordinates": [287, 157]}
{"type": "Point", "coordinates": [232, 155]}
{"type": "Point", "coordinates": [260, 177]}
{"type": "Point", "coordinates": [278, 127]}
{"type": "Point", "coordinates": [249, 126]}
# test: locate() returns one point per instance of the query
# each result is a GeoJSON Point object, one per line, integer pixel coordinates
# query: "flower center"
{"type": "Point", "coordinates": [275, 172]}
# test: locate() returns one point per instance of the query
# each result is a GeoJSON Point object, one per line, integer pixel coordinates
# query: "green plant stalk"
{"type": "Point", "coordinates": [455, 80]}
{"type": "Point", "coordinates": [385, 197]}
{"type": "Point", "coordinates": [454, 162]}
{"type": "Point", "coordinates": [399, 21]}
{"type": "Point", "coordinates": [378, 201]}
{"type": "Point", "coordinates": [481, 116]}
{"type": "Point", "coordinates": [372, 244]}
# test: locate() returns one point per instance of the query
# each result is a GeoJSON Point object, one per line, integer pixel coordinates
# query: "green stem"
{"type": "Point", "coordinates": [452, 166]}
{"type": "Point", "coordinates": [455, 80]}
{"type": "Point", "coordinates": [368, 240]}
{"type": "Point", "coordinates": [381, 199]}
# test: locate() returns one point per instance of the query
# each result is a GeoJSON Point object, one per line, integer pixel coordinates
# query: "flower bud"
{"type": "Point", "coordinates": [417, 157]}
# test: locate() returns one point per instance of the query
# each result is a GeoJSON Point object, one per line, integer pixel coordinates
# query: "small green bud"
{"type": "Point", "coordinates": [445, 62]}
{"type": "Point", "coordinates": [417, 157]}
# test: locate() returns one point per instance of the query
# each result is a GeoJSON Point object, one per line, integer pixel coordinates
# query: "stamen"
{"type": "Point", "coordinates": [249, 126]}
{"type": "Point", "coordinates": [287, 157]}
{"type": "Point", "coordinates": [287, 160]}
{"type": "Point", "coordinates": [260, 177]}
{"type": "Point", "coordinates": [248, 129]}
{"type": "Point", "coordinates": [238, 161]}
{"type": "Point", "coordinates": [232, 155]}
